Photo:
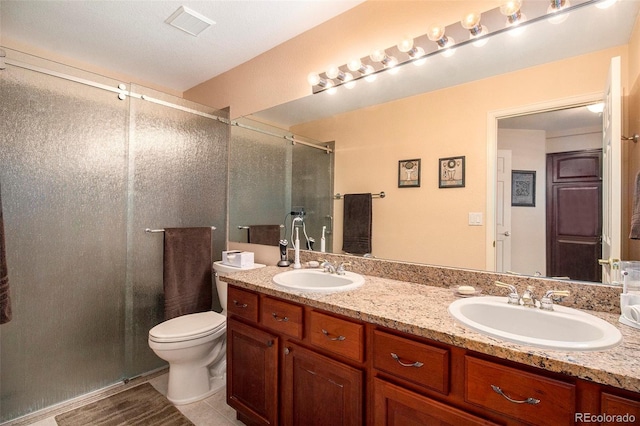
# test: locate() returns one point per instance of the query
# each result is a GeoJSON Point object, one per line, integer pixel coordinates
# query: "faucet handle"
{"type": "Point", "coordinates": [546, 303]}
{"type": "Point", "coordinates": [340, 270]}
{"type": "Point", "coordinates": [514, 298]}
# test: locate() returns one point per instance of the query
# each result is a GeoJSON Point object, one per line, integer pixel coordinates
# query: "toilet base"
{"type": "Point", "coordinates": [216, 384]}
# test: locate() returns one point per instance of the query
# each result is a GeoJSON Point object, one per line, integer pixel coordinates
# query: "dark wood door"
{"type": "Point", "coordinates": [252, 373]}
{"type": "Point", "coordinates": [574, 215]}
{"type": "Point", "coordinates": [317, 390]}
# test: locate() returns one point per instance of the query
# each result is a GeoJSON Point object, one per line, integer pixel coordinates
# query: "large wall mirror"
{"type": "Point", "coordinates": [441, 110]}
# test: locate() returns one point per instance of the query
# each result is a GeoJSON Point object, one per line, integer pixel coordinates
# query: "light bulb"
{"type": "Point", "coordinates": [354, 65]}
{"type": "Point", "coordinates": [511, 10]}
{"type": "Point", "coordinates": [349, 83]}
{"type": "Point", "coordinates": [378, 55]}
{"type": "Point", "coordinates": [313, 78]}
{"type": "Point", "coordinates": [554, 8]}
{"type": "Point", "coordinates": [333, 71]}
{"type": "Point", "coordinates": [470, 21]}
{"type": "Point", "coordinates": [405, 45]}
{"type": "Point", "coordinates": [435, 32]}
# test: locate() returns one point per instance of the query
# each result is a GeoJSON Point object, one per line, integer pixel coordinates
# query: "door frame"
{"type": "Point", "coordinates": [492, 152]}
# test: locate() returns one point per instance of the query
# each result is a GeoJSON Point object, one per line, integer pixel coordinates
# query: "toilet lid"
{"type": "Point", "coordinates": [188, 327]}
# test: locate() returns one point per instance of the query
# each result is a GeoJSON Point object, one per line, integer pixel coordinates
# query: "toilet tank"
{"type": "Point", "coordinates": [220, 271]}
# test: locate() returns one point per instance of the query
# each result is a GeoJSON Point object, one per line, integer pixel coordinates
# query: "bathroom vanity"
{"type": "Point", "coordinates": [390, 353]}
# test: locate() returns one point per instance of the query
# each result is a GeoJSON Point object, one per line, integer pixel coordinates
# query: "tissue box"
{"type": "Point", "coordinates": [237, 258]}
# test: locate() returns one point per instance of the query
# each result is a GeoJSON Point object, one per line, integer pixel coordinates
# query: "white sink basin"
{"type": "Point", "coordinates": [561, 329]}
{"type": "Point", "coordinates": [316, 280]}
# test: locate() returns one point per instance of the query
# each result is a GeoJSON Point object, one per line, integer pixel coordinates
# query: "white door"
{"type": "Point", "coordinates": [503, 211]}
{"type": "Point", "coordinates": [612, 174]}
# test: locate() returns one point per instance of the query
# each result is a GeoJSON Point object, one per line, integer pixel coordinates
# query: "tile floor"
{"type": "Point", "coordinates": [212, 411]}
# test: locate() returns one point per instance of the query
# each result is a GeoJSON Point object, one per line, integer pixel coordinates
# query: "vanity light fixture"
{"type": "Point", "coordinates": [436, 33]}
{"type": "Point", "coordinates": [471, 22]}
{"type": "Point", "coordinates": [315, 80]}
{"type": "Point", "coordinates": [416, 53]}
{"type": "Point", "coordinates": [555, 8]}
{"type": "Point", "coordinates": [389, 62]}
{"type": "Point", "coordinates": [343, 77]}
{"type": "Point", "coordinates": [511, 9]}
{"type": "Point", "coordinates": [356, 65]}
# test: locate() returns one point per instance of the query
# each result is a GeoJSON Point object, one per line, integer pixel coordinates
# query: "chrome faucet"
{"type": "Point", "coordinates": [514, 297]}
{"type": "Point", "coordinates": [332, 269]}
{"type": "Point", "coordinates": [546, 303]}
{"type": "Point", "coordinates": [528, 298]}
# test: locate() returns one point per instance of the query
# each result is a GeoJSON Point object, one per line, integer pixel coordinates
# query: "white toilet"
{"type": "Point", "coordinates": [194, 345]}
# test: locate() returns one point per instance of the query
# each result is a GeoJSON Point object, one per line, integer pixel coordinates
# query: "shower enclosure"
{"type": "Point", "coordinates": [267, 168]}
{"type": "Point", "coordinates": [85, 167]}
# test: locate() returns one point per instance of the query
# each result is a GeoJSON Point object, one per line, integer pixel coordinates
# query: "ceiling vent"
{"type": "Point", "coordinates": [189, 21]}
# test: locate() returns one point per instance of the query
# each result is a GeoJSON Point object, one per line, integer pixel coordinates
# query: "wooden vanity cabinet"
{"type": "Point", "coordinates": [278, 374]}
{"type": "Point", "coordinates": [289, 364]}
{"type": "Point", "coordinates": [252, 373]}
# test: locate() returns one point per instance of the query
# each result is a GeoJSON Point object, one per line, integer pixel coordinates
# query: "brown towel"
{"type": "Point", "coordinates": [635, 215]}
{"type": "Point", "coordinates": [5, 295]}
{"type": "Point", "coordinates": [356, 229]}
{"type": "Point", "coordinates": [187, 271]}
{"type": "Point", "coordinates": [264, 234]}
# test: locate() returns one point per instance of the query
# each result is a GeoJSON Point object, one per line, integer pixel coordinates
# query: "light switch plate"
{"type": "Point", "coordinates": [475, 219]}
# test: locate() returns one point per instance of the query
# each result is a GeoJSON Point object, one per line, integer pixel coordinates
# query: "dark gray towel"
{"type": "Point", "coordinates": [635, 214]}
{"type": "Point", "coordinates": [268, 235]}
{"type": "Point", "coordinates": [5, 295]}
{"type": "Point", "coordinates": [356, 228]}
{"type": "Point", "coordinates": [187, 271]}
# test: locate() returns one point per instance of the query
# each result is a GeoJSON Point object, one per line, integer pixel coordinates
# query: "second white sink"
{"type": "Point", "coordinates": [561, 329]}
{"type": "Point", "coordinates": [316, 280]}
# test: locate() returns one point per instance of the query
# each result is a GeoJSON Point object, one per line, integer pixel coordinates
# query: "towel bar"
{"type": "Point", "coordinates": [339, 196]}
{"type": "Point", "coordinates": [153, 231]}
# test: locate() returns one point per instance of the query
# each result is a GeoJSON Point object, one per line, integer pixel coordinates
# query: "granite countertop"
{"type": "Point", "coordinates": [421, 310]}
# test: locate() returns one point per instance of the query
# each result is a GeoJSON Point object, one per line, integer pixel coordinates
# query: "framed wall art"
{"type": "Point", "coordinates": [523, 188]}
{"type": "Point", "coordinates": [409, 173]}
{"type": "Point", "coordinates": [451, 172]}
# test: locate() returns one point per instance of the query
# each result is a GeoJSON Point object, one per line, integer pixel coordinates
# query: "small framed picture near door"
{"type": "Point", "coordinates": [409, 173]}
{"type": "Point", "coordinates": [523, 188]}
{"type": "Point", "coordinates": [451, 172]}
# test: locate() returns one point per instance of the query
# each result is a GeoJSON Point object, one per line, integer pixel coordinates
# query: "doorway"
{"type": "Point", "coordinates": [528, 136]}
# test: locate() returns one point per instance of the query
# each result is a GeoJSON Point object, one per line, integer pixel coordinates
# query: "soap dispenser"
{"type": "Point", "coordinates": [284, 262]}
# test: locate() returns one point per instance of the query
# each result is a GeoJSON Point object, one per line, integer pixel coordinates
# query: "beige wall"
{"type": "Point", "coordinates": [280, 75]}
{"type": "Point", "coordinates": [429, 224]}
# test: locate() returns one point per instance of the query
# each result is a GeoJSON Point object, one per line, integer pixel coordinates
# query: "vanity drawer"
{"type": "Point", "coordinates": [337, 335]}
{"type": "Point", "coordinates": [416, 362]}
{"type": "Point", "coordinates": [503, 389]}
{"type": "Point", "coordinates": [242, 303]}
{"type": "Point", "coordinates": [281, 316]}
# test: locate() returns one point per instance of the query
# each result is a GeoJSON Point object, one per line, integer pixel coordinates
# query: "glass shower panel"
{"type": "Point", "coordinates": [259, 181]}
{"type": "Point", "coordinates": [312, 182]}
{"type": "Point", "coordinates": [63, 157]}
{"type": "Point", "coordinates": [178, 178]}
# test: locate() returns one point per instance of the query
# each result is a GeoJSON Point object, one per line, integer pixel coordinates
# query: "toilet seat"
{"type": "Point", "coordinates": [188, 327]}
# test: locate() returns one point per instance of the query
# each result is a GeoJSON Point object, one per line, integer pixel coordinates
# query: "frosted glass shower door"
{"type": "Point", "coordinates": [177, 178]}
{"type": "Point", "coordinates": [63, 157]}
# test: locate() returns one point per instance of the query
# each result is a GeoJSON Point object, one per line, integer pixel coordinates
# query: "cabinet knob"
{"type": "Point", "coordinates": [287, 351]}
{"type": "Point", "coordinates": [269, 343]}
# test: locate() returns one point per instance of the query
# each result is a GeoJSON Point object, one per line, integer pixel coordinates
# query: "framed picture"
{"type": "Point", "coordinates": [409, 173]}
{"type": "Point", "coordinates": [451, 172]}
{"type": "Point", "coordinates": [523, 188]}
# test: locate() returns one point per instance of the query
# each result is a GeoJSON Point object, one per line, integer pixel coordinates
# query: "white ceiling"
{"type": "Point", "coordinates": [131, 37]}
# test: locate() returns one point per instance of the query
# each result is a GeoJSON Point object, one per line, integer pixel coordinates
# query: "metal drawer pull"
{"type": "Point", "coordinates": [277, 318]}
{"type": "Point", "coordinates": [531, 401]}
{"type": "Point", "coordinates": [339, 338]}
{"type": "Point", "coordinates": [416, 364]}
{"type": "Point", "coordinates": [240, 305]}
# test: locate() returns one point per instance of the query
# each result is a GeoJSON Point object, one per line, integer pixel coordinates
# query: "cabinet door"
{"type": "Point", "coordinates": [619, 410]}
{"type": "Point", "coordinates": [320, 391]}
{"type": "Point", "coordinates": [252, 372]}
{"type": "Point", "coordinates": [395, 406]}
